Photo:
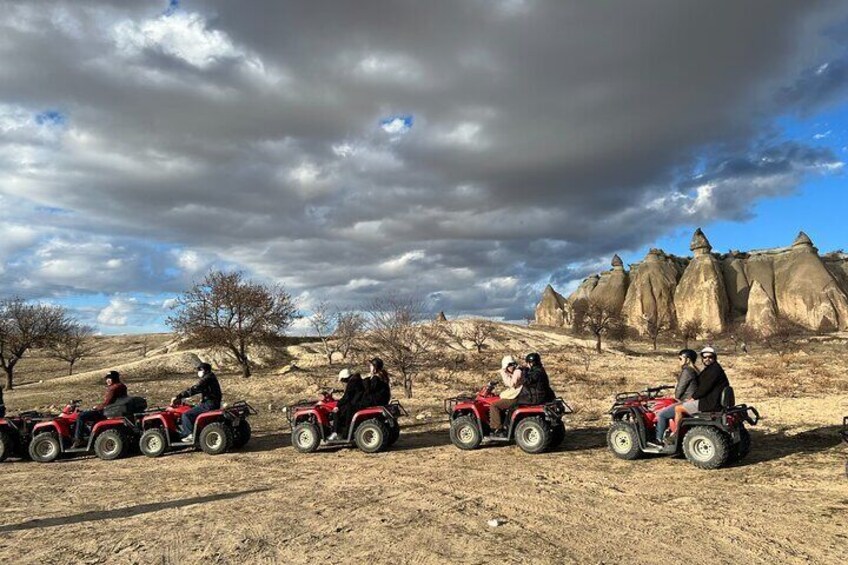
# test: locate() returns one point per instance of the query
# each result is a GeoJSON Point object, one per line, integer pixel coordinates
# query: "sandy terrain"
{"type": "Point", "coordinates": [425, 501]}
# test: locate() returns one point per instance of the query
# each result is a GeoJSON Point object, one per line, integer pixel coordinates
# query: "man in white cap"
{"type": "Point", "coordinates": [348, 404]}
{"type": "Point", "coordinates": [511, 376]}
{"type": "Point", "coordinates": [711, 383]}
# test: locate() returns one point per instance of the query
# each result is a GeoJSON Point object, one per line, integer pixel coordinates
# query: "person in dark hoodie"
{"type": "Point", "coordinates": [115, 389]}
{"type": "Point", "coordinates": [378, 391]}
{"type": "Point", "coordinates": [711, 383]}
{"type": "Point", "coordinates": [353, 399]}
{"type": "Point", "coordinates": [209, 390]}
{"type": "Point", "coordinates": [536, 387]}
{"type": "Point", "coordinates": [687, 383]}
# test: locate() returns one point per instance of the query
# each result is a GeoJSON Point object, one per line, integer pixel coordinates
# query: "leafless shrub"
{"type": "Point", "coordinates": [76, 342]}
{"type": "Point", "coordinates": [323, 322]}
{"type": "Point", "coordinates": [655, 326]}
{"type": "Point", "coordinates": [348, 334]}
{"type": "Point", "coordinates": [597, 319]}
{"type": "Point", "coordinates": [25, 326]}
{"type": "Point", "coordinates": [229, 312]}
{"type": "Point", "coordinates": [689, 331]}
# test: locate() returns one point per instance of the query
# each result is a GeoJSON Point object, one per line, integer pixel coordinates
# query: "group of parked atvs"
{"type": "Point", "coordinates": [707, 440]}
{"type": "Point", "coordinates": [125, 426]}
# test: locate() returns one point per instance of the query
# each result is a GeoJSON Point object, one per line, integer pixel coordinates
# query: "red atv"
{"type": "Point", "coordinates": [844, 433]}
{"type": "Point", "coordinates": [534, 428]}
{"type": "Point", "coordinates": [215, 431]}
{"type": "Point", "coordinates": [708, 440]}
{"type": "Point", "coordinates": [372, 429]}
{"type": "Point", "coordinates": [15, 434]}
{"type": "Point", "coordinates": [110, 438]}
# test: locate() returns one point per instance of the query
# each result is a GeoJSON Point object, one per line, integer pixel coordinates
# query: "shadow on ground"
{"type": "Point", "coordinates": [777, 445]}
{"type": "Point", "coordinates": [97, 515]}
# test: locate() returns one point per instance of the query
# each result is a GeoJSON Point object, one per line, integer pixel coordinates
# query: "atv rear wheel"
{"type": "Point", "coordinates": [241, 434]}
{"type": "Point", "coordinates": [110, 445]}
{"type": "Point", "coordinates": [216, 438]}
{"type": "Point", "coordinates": [371, 436]}
{"type": "Point", "coordinates": [533, 435]}
{"type": "Point", "coordinates": [557, 435]}
{"type": "Point", "coordinates": [306, 437]}
{"type": "Point", "coordinates": [153, 442]}
{"type": "Point", "coordinates": [706, 447]}
{"type": "Point", "coordinates": [741, 450]}
{"type": "Point", "coordinates": [464, 433]}
{"type": "Point", "coordinates": [45, 448]}
{"type": "Point", "coordinates": [7, 445]}
{"type": "Point", "coordinates": [623, 441]}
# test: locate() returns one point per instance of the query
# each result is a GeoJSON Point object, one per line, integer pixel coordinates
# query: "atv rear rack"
{"type": "Point", "coordinates": [559, 407]}
{"type": "Point", "coordinates": [241, 406]}
{"type": "Point", "coordinates": [648, 394]}
{"type": "Point", "coordinates": [396, 409]}
{"type": "Point", "coordinates": [292, 408]}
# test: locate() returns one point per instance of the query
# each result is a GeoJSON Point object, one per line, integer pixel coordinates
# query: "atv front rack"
{"type": "Point", "coordinates": [450, 403]}
{"type": "Point", "coordinates": [292, 408]}
{"type": "Point", "coordinates": [396, 409]}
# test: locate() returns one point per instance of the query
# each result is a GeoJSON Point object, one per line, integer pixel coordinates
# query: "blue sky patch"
{"type": "Point", "coordinates": [50, 118]}
{"type": "Point", "coordinates": [397, 124]}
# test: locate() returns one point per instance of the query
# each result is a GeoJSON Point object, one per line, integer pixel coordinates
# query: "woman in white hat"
{"type": "Point", "coordinates": [348, 404]}
{"type": "Point", "coordinates": [511, 376]}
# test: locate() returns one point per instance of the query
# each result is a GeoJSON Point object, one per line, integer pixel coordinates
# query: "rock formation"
{"type": "Point", "coordinates": [650, 295]}
{"type": "Point", "coordinates": [701, 294]}
{"type": "Point", "coordinates": [442, 318]}
{"type": "Point", "coordinates": [755, 287]}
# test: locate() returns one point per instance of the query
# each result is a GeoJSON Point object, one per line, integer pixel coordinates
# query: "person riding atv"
{"type": "Point", "coordinates": [115, 390]}
{"type": "Point", "coordinates": [210, 399]}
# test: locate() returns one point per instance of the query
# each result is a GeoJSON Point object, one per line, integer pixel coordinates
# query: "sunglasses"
{"type": "Point", "coordinates": [707, 356]}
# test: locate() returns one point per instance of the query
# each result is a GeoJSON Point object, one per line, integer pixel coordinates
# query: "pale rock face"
{"type": "Point", "coordinates": [611, 287]}
{"type": "Point", "coordinates": [651, 290]}
{"type": "Point", "coordinates": [806, 291]}
{"type": "Point", "coordinates": [837, 264]}
{"type": "Point", "coordinates": [736, 284]}
{"type": "Point", "coordinates": [701, 295]}
{"type": "Point", "coordinates": [761, 314]}
{"type": "Point", "coordinates": [551, 310]}
{"type": "Point", "coordinates": [584, 291]}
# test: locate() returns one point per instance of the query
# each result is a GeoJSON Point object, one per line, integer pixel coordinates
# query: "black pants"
{"type": "Point", "coordinates": [344, 415]}
{"type": "Point", "coordinates": [2, 410]}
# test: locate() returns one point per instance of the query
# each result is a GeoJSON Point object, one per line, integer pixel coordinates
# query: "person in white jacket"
{"type": "Point", "coordinates": [511, 376]}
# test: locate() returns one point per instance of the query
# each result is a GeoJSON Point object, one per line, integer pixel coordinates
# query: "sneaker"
{"type": "Point", "coordinates": [188, 439]}
{"type": "Point", "coordinates": [670, 439]}
{"type": "Point", "coordinates": [78, 443]}
{"type": "Point", "coordinates": [333, 437]}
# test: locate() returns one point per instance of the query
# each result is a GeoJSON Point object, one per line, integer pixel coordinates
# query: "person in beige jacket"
{"type": "Point", "coordinates": [511, 376]}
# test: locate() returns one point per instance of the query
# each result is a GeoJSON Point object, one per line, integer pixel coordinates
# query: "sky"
{"type": "Point", "coordinates": [465, 151]}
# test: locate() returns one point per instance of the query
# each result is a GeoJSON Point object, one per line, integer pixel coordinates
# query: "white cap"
{"type": "Point", "coordinates": [507, 361]}
{"type": "Point", "coordinates": [344, 375]}
{"type": "Point", "coordinates": [709, 349]}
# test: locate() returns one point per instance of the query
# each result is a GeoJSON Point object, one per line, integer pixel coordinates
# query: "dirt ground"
{"type": "Point", "coordinates": [425, 501]}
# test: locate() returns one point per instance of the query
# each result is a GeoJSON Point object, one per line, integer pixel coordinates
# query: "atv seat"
{"type": "Point", "coordinates": [728, 398]}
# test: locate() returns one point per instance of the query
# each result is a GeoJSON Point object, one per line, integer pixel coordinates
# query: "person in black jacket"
{"type": "Point", "coordinates": [2, 406]}
{"type": "Point", "coordinates": [536, 388]}
{"type": "Point", "coordinates": [378, 391]}
{"type": "Point", "coordinates": [210, 399]}
{"type": "Point", "coordinates": [711, 383]}
{"type": "Point", "coordinates": [353, 399]}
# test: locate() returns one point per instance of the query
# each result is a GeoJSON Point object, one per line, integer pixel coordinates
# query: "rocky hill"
{"type": "Point", "coordinates": [753, 287]}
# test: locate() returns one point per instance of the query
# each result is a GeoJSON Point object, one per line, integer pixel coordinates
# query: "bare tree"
{"type": "Point", "coordinates": [742, 335]}
{"type": "Point", "coordinates": [781, 337]}
{"type": "Point", "coordinates": [596, 318]}
{"type": "Point", "coordinates": [229, 312]}
{"type": "Point", "coordinates": [75, 343]}
{"type": "Point", "coordinates": [348, 334]}
{"type": "Point", "coordinates": [396, 330]}
{"type": "Point", "coordinates": [323, 322]}
{"type": "Point", "coordinates": [479, 332]}
{"type": "Point", "coordinates": [689, 331]}
{"type": "Point", "coordinates": [655, 326]}
{"type": "Point", "coordinates": [26, 326]}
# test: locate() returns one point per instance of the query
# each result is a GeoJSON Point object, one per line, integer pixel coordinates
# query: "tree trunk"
{"type": "Point", "coordinates": [654, 341]}
{"type": "Point", "coordinates": [9, 380]}
{"type": "Point", "coordinates": [245, 369]}
{"type": "Point", "coordinates": [598, 342]}
{"type": "Point", "coordinates": [407, 385]}
{"type": "Point", "coordinates": [70, 368]}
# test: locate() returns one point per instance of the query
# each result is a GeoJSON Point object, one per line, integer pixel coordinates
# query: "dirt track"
{"type": "Point", "coordinates": [426, 502]}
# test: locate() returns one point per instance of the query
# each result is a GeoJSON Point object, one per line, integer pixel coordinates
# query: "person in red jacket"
{"type": "Point", "coordinates": [115, 389]}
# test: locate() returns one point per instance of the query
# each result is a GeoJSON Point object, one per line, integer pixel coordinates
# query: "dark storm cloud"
{"type": "Point", "coordinates": [532, 137]}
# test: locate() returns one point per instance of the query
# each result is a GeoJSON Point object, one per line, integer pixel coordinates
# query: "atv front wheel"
{"type": "Point", "coordinates": [153, 442]}
{"type": "Point", "coordinates": [372, 436]}
{"type": "Point", "coordinates": [241, 434]}
{"type": "Point", "coordinates": [464, 433]}
{"type": "Point", "coordinates": [623, 441]}
{"type": "Point", "coordinates": [45, 448]}
{"type": "Point", "coordinates": [532, 435]}
{"type": "Point", "coordinates": [110, 445]}
{"type": "Point", "coordinates": [216, 438]}
{"type": "Point", "coordinates": [7, 446]}
{"type": "Point", "coordinates": [741, 450]}
{"type": "Point", "coordinates": [706, 447]}
{"type": "Point", "coordinates": [306, 437]}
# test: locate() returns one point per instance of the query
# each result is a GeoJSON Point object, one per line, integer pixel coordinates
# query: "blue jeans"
{"type": "Point", "coordinates": [86, 416]}
{"type": "Point", "coordinates": [664, 416]}
{"type": "Point", "coordinates": [189, 417]}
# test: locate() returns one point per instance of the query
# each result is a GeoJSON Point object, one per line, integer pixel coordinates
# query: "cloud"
{"type": "Point", "coordinates": [117, 313]}
{"type": "Point", "coordinates": [467, 151]}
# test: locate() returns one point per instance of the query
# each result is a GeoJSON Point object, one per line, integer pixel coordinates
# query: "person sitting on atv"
{"type": "Point", "coordinates": [536, 387]}
{"type": "Point", "coordinates": [353, 400]}
{"type": "Point", "coordinates": [687, 382]}
{"type": "Point", "coordinates": [115, 389]}
{"type": "Point", "coordinates": [378, 390]}
{"type": "Point", "coordinates": [711, 383]}
{"type": "Point", "coordinates": [2, 406]}
{"type": "Point", "coordinates": [210, 399]}
{"type": "Point", "coordinates": [511, 376]}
